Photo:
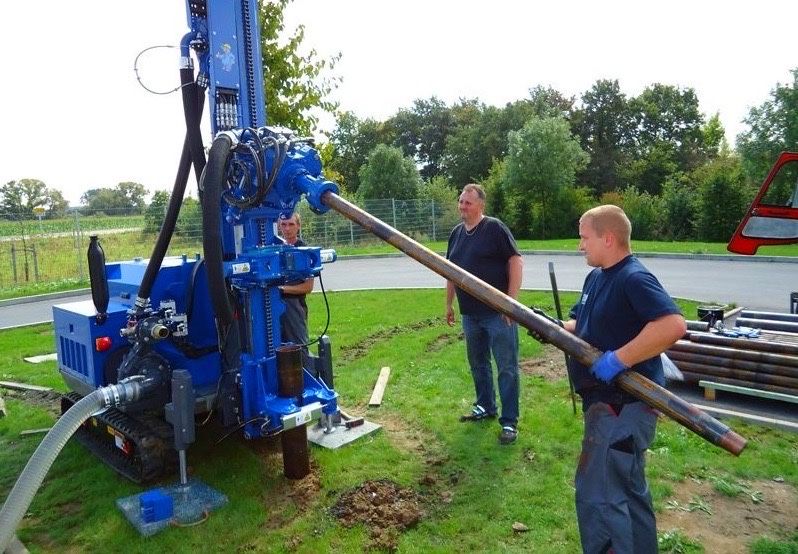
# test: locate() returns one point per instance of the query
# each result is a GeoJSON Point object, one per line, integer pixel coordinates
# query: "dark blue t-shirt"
{"type": "Point", "coordinates": [483, 251]}
{"type": "Point", "coordinates": [615, 305]}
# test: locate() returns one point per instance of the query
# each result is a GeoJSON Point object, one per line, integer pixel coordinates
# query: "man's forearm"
{"type": "Point", "coordinates": [654, 339]}
{"type": "Point", "coordinates": [305, 287]}
{"type": "Point", "coordinates": [449, 294]}
{"type": "Point", "coordinates": [515, 274]}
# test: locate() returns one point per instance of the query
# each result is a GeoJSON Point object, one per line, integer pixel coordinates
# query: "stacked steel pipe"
{"type": "Point", "coordinates": [769, 362]}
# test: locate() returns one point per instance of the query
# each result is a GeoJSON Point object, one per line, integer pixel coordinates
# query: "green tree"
{"type": "Point", "coordinates": [605, 128]}
{"type": "Point", "coordinates": [479, 133]}
{"type": "Point", "coordinates": [155, 212]}
{"type": "Point", "coordinates": [723, 197]}
{"type": "Point", "coordinates": [421, 133]}
{"type": "Point", "coordinates": [388, 174]}
{"type": "Point", "coordinates": [296, 85]}
{"type": "Point", "coordinates": [652, 168]}
{"type": "Point", "coordinates": [773, 129]}
{"type": "Point", "coordinates": [478, 137]}
{"type": "Point", "coordinates": [679, 208]}
{"type": "Point", "coordinates": [668, 115]}
{"type": "Point", "coordinates": [56, 204]}
{"type": "Point", "coordinates": [353, 139]}
{"type": "Point", "coordinates": [543, 159]}
{"type": "Point", "coordinates": [18, 198]}
{"type": "Point", "coordinates": [125, 199]}
{"type": "Point", "coordinates": [643, 211]}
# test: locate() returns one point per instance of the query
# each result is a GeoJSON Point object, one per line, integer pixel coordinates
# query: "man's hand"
{"type": "Point", "coordinates": [534, 334]}
{"type": "Point", "coordinates": [607, 367]}
{"type": "Point", "coordinates": [449, 316]}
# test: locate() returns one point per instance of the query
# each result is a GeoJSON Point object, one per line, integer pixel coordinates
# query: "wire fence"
{"type": "Point", "coordinates": [46, 251]}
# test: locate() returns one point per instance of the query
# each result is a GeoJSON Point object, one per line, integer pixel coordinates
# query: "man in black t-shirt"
{"type": "Point", "coordinates": [484, 247]}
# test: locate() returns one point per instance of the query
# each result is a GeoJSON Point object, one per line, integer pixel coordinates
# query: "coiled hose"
{"type": "Point", "coordinates": [31, 478]}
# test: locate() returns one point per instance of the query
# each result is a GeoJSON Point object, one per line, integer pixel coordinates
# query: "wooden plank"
{"type": "Point", "coordinates": [379, 388]}
{"type": "Point", "coordinates": [23, 386]}
{"type": "Point", "coordinates": [27, 432]}
{"type": "Point", "coordinates": [750, 392]}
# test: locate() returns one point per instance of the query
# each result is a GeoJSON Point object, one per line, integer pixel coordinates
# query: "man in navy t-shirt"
{"type": "Point", "coordinates": [484, 247]}
{"type": "Point", "coordinates": [626, 313]}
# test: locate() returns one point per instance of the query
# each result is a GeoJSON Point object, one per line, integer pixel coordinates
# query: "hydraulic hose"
{"type": "Point", "coordinates": [192, 151]}
{"type": "Point", "coordinates": [213, 180]}
{"type": "Point", "coordinates": [31, 478]}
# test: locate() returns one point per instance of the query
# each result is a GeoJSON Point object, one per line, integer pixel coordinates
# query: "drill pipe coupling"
{"type": "Point", "coordinates": [314, 188]}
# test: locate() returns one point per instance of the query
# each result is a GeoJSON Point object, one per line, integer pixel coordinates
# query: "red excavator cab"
{"type": "Point", "coordinates": [773, 215]}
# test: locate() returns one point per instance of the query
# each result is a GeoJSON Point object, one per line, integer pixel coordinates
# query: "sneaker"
{"type": "Point", "coordinates": [478, 413]}
{"type": "Point", "coordinates": [508, 435]}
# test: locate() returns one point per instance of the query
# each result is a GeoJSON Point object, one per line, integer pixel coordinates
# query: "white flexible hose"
{"type": "Point", "coordinates": [31, 478]}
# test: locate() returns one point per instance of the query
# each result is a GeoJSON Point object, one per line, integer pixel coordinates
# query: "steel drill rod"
{"type": "Point", "coordinates": [759, 345]}
{"type": "Point", "coordinates": [695, 377]}
{"type": "Point", "coordinates": [773, 316]}
{"type": "Point", "coordinates": [778, 363]}
{"type": "Point", "coordinates": [700, 364]}
{"type": "Point", "coordinates": [632, 382]}
{"type": "Point", "coordinates": [697, 326]}
{"type": "Point", "coordinates": [767, 324]}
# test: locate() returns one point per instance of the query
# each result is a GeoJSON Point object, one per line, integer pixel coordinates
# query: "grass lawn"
{"type": "Point", "coordinates": [470, 489]}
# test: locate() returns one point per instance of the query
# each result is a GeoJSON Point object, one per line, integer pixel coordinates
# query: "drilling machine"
{"type": "Point", "coordinates": [150, 351]}
{"type": "Point", "coordinates": [214, 319]}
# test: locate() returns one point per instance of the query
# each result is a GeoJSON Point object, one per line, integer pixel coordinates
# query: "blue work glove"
{"type": "Point", "coordinates": [607, 367]}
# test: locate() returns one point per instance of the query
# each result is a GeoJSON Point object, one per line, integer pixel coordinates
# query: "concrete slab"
{"type": "Point", "coordinates": [340, 435]}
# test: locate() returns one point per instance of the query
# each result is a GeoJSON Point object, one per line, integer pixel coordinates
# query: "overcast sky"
{"type": "Point", "coordinates": [74, 116]}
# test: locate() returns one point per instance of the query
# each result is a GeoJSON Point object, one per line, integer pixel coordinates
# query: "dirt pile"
{"type": "Point", "coordinates": [384, 507]}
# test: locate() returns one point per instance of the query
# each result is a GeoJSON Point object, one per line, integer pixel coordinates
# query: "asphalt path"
{"type": "Point", "coordinates": [749, 282]}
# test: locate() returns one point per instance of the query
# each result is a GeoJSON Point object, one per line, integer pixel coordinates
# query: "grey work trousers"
{"type": "Point", "coordinates": [613, 503]}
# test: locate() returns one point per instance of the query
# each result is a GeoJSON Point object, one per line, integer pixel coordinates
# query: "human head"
{"type": "Point", "coordinates": [604, 235]}
{"type": "Point", "coordinates": [290, 227]}
{"type": "Point", "coordinates": [471, 203]}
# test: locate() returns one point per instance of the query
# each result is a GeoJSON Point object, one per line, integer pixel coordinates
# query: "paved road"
{"type": "Point", "coordinates": [753, 284]}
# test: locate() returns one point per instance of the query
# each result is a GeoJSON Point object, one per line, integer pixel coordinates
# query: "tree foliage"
{"type": "Point", "coordinates": [18, 198]}
{"type": "Point", "coordinates": [353, 139]}
{"type": "Point", "coordinates": [421, 133]}
{"type": "Point", "coordinates": [125, 199]}
{"type": "Point", "coordinates": [605, 126]}
{"type": "Point", "coordinates": [388, 174]}
{"type": "Point", "coordinates": [773, 129]}
{"type": "Point", "coordinates": [723, 197]}
{"type": "Point", "coordinates": [296, 84]}
{"type": "Point", "coordinates": [543, 160]}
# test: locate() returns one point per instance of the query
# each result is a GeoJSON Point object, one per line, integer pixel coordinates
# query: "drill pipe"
{"type": "Point", "coordinates": [696, 364]}
{"type": "Point", "coordinates": [767, 324]}
{"type": "Point", "coordinates": [773, 316]}
{"type": "Point", "coordinates": [691, 377]}
{"type": "Point", "coordinates": [737, 354]}
{"type": "Point", "coordinates": [632, 382]}
{"type": "Point", "coordinates": [739, 360]}
{"type": "Point", "coordinates": [759, 345]}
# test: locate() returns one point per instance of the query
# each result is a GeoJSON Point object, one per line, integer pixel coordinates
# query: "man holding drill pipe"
{"type": "Point", "coordinates": [625, 312]}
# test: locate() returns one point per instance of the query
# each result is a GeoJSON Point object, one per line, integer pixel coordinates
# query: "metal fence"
{"type": "Point", "coordinates": [53, 250]}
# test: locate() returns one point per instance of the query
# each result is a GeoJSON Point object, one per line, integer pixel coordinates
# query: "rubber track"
{"type": "Point", "coordinates": [152, 438]}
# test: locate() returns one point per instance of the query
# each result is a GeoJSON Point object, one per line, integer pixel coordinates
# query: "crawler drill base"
{"type": "Point", "coordinates": [139, 448]}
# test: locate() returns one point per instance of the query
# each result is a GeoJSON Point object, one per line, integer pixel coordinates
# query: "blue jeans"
{"type": "Point", "coordinates": [486, 334]}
